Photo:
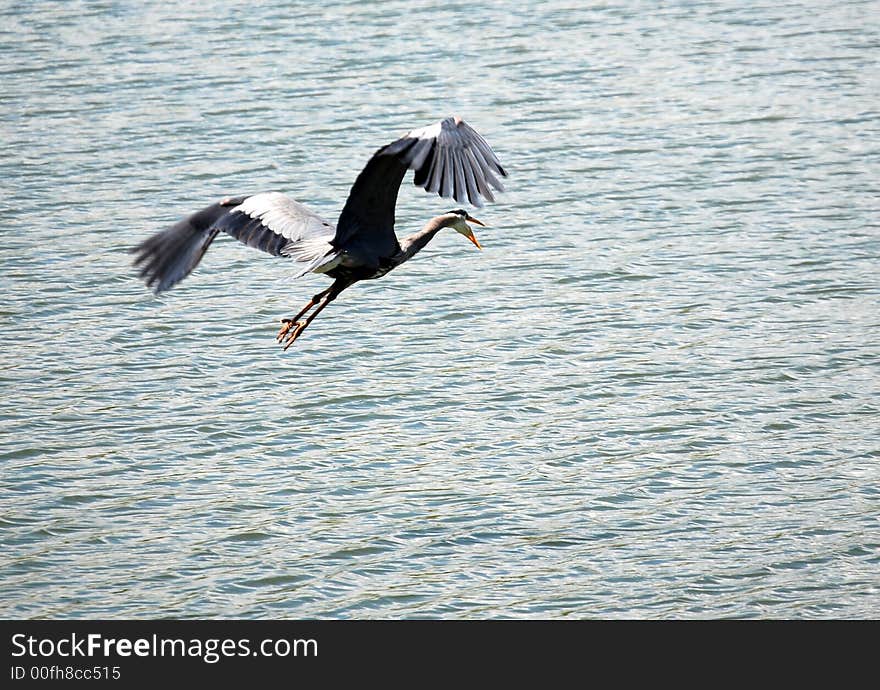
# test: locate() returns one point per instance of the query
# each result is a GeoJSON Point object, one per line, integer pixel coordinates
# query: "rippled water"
{"type": "Point", "coordinates": [656, 393]}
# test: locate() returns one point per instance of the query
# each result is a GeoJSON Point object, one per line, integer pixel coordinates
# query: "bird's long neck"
{"type": "Point", "coordinates": [413, 244]}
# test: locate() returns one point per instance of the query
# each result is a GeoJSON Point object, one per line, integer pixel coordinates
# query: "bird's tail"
{"type": "Point", "coordinates": [169, 256]}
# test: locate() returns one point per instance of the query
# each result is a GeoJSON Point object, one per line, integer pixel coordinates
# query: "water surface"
{"type": "Point", "coordinates": [656, 393]}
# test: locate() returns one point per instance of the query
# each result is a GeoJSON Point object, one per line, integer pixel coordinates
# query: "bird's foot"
{"type": "Point", "coordinates": [287, 324]}
{"type": "Point", "coordinates": [289, 332]}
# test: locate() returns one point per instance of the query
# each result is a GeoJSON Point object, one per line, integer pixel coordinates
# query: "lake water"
{"type": "Point", "coordinates": [655, 393]}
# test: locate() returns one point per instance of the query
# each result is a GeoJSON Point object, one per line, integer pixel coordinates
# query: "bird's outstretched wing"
{"type": "Point", "coordinates": [275, 223]}
{"type": "Point", "coordinates": [450, 158]}
{"type": "Point", "coordinates": [270, 221]}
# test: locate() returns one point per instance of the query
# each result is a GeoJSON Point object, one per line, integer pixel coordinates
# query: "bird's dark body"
{"type": "Point", "coordinates": [449, 158]}
{"type": "Point", "coordinates": [360, 262]}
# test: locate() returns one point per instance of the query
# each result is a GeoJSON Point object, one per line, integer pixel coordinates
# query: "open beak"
{"type": "Point", "coordinates": [472, 237]}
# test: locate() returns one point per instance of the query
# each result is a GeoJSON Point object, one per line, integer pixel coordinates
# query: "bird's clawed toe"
{"type": "Point", "coordinates": [289, 332]}
{"type": "Point", "coordinates": [286, 325]}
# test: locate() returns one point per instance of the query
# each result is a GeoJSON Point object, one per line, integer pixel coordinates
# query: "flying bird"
{"type": "Point", "coordinates": [449, 159]}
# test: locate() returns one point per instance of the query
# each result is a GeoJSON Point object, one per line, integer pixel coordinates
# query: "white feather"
{"type": "Point", "coordinates": [429, 132]}
{"type": "Point", "coordinates": [284, 216]}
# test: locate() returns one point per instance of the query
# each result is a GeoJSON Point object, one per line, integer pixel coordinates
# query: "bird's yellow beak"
{"type": "Point", "coordinates": [472, 237]}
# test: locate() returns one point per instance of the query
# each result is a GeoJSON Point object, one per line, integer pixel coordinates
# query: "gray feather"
{"type": "Point", "coordinates": [479, 178]}
{"type": "Point", "coordinates": [436, 180]}
{"type": "Point", "coordinates": [166, 258]}
{"type": "Point", "coordinates": [472, 190]}
{"type": "Point", "coordinates": [460, 188]}
{"type": "Point", "coordinates": [418, 154]}
{"type": "Point", "coordinates": [448, 173]}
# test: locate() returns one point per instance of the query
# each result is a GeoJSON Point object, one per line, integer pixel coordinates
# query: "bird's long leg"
{"type": "Point", "coordinates": [289, 323]}
{"type": "Point", "coordinates": [325, 298]}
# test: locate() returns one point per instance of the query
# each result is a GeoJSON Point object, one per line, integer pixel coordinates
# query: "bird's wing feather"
{"type": "Point", "coordinates": [449, 158]}
{"type": "Point", "coordinates": [275, 223]}
{"type": "Point", "coordinates": [271, 221]}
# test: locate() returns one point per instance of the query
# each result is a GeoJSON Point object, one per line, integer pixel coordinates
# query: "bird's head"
{"type": "Point", "coordinates": [459, 219]}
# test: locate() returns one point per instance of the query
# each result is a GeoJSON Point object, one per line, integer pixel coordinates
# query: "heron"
{"type": "Point", "coordinates": [449, 158]}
